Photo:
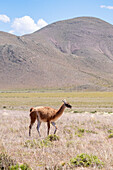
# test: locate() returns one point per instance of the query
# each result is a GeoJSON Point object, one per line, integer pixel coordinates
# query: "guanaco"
{"type": "Point", "coordinates": [46, 114]}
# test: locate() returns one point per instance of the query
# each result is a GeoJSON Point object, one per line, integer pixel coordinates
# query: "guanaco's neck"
{"type": "Point", "coordinates": [60, 110]}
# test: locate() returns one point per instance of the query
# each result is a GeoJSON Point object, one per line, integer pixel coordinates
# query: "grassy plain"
{"type": "Point", "coordinates": [81, 101]}
{"type": "Point", "coordinates": [86, 128]}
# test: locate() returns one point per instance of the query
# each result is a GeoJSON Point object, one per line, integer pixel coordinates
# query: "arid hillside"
{"type": "Point", "coordinates": [75, 53]}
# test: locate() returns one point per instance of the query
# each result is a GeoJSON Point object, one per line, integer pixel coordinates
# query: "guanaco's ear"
{"type": "Point", "coordinates": [64, 101]}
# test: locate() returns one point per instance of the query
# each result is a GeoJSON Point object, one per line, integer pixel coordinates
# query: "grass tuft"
{"type": "Point", "coordinates": [79, 132]}
{"type": "Point", "coordinates": [41, 143]}
{"type": "Point", "coordinates": [110, 136]}
{"type": "Point", "coordinates": [21, 167]}
{"type": "Point", "coordinates": [6, 161]}
{"type": "Point", "coordinates": [85, 160]}
{"type": "Point", "coordinates": [110, 131]}
{"type": "Point", "coordinates": [52, 138]}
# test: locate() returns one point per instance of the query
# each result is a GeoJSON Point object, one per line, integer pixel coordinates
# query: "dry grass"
{"type": "Point", "coordinates": [78, 133]}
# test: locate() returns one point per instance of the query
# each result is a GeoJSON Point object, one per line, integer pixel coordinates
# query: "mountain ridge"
{"type": "Point", "coordinates": [75, 53]}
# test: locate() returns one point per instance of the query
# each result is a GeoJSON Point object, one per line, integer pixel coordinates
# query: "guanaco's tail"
{"type": "Point", "coordinates": [33, 117]}
{"type": "Point", "coordinates": [31, 109]}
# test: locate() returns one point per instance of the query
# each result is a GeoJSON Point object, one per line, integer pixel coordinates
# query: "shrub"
{"type": "Point", "coordinates": [79, 132]}
{"type": "Point", "coordinates": [48, 140]}
{"type": "Point", "coordinates": [91, 131]}
{"type": "Point", "coordinates": [21, 167]}
{"type": "Point", "coordinates": [110, 136]}
{"type": "Point", "coordinates": [94, 111]}
{"type": "Point", "coordinates": [30, 143]}
{"type": "Point", "coordinates": [110, 131]}
{"type": "Point", "coordinates": [52, 138]}
{"type": "Point", "coordinates": [6, 161]}
{"type": "Point", "coordinates": [75, 111]}
{"type": "Point", "coordinates": [41, 143]}
{"type": "Point", "coordinates": [85, 160]}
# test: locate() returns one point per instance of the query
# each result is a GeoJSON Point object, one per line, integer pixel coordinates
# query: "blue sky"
{"type": "Point", "coordinates": [26, 16]}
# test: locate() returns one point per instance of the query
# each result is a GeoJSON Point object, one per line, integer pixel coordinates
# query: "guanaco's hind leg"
{"type": "Point", "coordinates": [53, 123]}
{"type": "Point", "coordinates": [33, 117]}
{"type": "Point", "coordinates": [38, 126]}
{"type": "Point", "coordinates": [48, 124]}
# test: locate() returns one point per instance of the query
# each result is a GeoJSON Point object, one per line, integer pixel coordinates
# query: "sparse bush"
{"type": "Point", "coordinates": [94, 112]}
{"type": "Point", "coordinates": [21, 167]}
{"type": "Point", "coordinates": [52, 138]}
{"type": "Point", "coordinates": [44, 143]}
{"type": "Point", "coordinates": [79, 132]}
{"type": "Point", "coordinates": [48, 140]}
{"type": "Point", "coordinates": [14, 167]}
{"type": "Point", "coordinates": [30, 143]}
{"type": "Point", "coordinates": [110, 131]}
{"type": "Point", "coordinates": [91, 131]}
{"type": "Point", "coordinates": [34, 144]}
{"type": "Point", "coordinates": [6, 161]}
{"type": "Point", "coordinates": [85, 160]}
{"type": "Point", "coordinates": [75, 111]}
{"type": "Point", "coordinates": [41, 143]}
{"type": "Point", "coordinates": [25, 167]}
{"type": "Point", "coordinates": [110, 136]}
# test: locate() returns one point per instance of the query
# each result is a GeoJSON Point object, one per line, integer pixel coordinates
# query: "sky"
{"type": "Point", "coordinates": [21, 17]}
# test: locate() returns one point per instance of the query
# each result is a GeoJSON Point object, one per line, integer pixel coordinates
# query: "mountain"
{"type": "Point", "coordinates": [75, 53]}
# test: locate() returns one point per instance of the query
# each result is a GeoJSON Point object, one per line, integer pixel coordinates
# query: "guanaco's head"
{"type": "Point", "coordinates": [67, 104]}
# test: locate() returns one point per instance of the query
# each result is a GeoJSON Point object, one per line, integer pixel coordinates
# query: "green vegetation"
{"type": "Point", "coordinates": [80, 133]}
{"type": "Point", "coordinates": [34, 143]}
{"type": "Point", "coordinates": [6, 163]}
{"type": "Point", "coordinates": [91, 131]}
{"type": "Point", "coordinates": [20, 167]}
{"type": "Point", "coordinates": [42, 142]}
{"type": "Point", "coordinates": [94, 111]}
{"type": "Point", "coordinates": [52, 138]}
{"type": "Point", "coordinates": [23, 100]}
{"type": "Point", "coordinates": [85, 160]}
{"type": "Point", "coordinates": [110, 131]}
{"type": "Point", "coordinates": [110, 135]}
{"type": "Point", "coordinates": [75, 111]}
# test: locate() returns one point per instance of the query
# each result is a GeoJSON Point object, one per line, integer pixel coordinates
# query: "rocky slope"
{"type": "Point", "coordinates": [76, 53]}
